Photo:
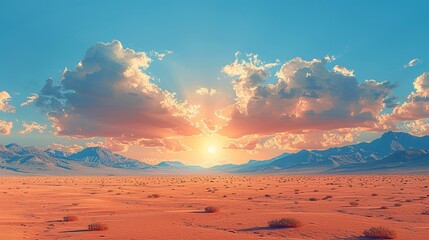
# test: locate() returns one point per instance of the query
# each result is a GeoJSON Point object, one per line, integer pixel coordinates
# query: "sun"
{"type": "Point", "coordinates": [212, 149]}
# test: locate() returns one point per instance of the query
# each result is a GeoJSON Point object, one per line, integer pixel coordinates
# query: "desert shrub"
{"type": "Point", "coordinates": [379, 233]}
{"type": "Point", "coordinates": [312, 199]}
{"type": "Point", "coordinates": [70, 218]}
{"type": "Point", "coordinates": [211, 209]}
{"type": "Point", "coordinates": [383, 207]}
{"type": "Point", "coordinates": [425, 212]}
{"type": "Point", "coordinates": [397, 205]}
{"type": "Point", "coordinates": [97, 227]}
{"type": "Point", "coordinates": [155, 195]}
{"type": "Point", "coordinates": [285, 223]}
{"type": "Point", "coordinates": [354, 204]}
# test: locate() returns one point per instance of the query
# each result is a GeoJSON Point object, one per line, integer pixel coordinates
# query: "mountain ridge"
{"type": "Point", "coordinates": [384, 154]}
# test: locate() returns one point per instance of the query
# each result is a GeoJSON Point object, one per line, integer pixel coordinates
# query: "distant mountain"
{"type": "Point", "coordinates": [318, 161]}
{"type": "Point", "coordinates": [393, 152]}
{"type": "Point", "coordinates": [15, 159]}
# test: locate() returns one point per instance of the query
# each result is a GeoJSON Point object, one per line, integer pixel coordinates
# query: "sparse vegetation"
{"type": "Point", "coordinates": [211, 209]}
{"type": "Point", "coordinates": [285, 223]}
{"type": "Point", "coordinates": [70, 218]}
{"type": "Point", "coordinates": [354, 204]}
{"type": "Point", "coordinates": [155, 195]}
{"type": "Point", "coordinates": [97, 227]}
{"type": "Point", "coordinates": [379, 233]}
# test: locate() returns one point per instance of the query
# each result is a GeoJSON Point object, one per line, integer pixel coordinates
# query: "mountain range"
{"type": "Point", "coordinates": [393, 152]}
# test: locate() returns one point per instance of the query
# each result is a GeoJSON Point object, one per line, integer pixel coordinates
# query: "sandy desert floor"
{"type": "Point", "coordinates": [172, 207]}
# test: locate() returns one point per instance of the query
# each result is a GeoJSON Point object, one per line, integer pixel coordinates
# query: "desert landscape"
{"type": "Point", "coordinates": [239, 207]}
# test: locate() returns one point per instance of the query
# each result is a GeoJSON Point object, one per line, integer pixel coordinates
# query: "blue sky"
{"type": "Point", "coordinates": [40, 38]}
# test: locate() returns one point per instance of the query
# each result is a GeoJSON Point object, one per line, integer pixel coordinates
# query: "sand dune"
{"type": "Point", "coordinates": [173, 207]}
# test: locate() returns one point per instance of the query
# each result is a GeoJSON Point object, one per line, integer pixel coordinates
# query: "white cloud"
{"type": "Point", "coordinates": [412, 63]}
{"type": "Point", "coordinates": [344, 71]}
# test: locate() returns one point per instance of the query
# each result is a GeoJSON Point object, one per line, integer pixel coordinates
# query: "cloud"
{"type": "Point", "coordinates": [412, 63]}
{"type": "Point", "coordinates": [5, 127]}
{"type": "Point", "coordinates": [169, 144]}
{"type": "Point", "coordinates": [311, 140]}
{"type": "Point", "coordinates": [418, 127]}
{"type": "Point", "coordinates": [344, 71]}
{"type": "Point", "coordinates": [30, 99]}
{"type": "Point", "coordinates": [417, 104]}
{"type": "Point", "coordinates": [30, 127]}
{"type": "Point", "coordinates": [160, 56]}
{"type": "Point", "coordinates": [206, 91]}
{"type": "Point", "coordinates": [5, 105]}
{"type": "Point", "coordinates": [64, 148]}
{"type": "Point", "coordinates": [109, 94]}
{"type": "Point", "coordinates": [306, 96]}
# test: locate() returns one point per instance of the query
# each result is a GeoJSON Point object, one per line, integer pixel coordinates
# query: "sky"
{"type": "Point", "coordinates": [211, 82]}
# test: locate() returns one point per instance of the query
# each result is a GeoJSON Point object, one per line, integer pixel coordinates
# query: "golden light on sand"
{"type": "Point", "coordinates": [212, 149]}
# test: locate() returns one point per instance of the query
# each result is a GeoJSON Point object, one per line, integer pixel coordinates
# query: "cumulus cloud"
{"type": "Point", "coordinates": [306, 96]}
{"type": "Point", "coordinates": [344, 71]}
{"type": "Point", "coordinates": [30, 99]}
{"type": "Point", "coordinates": [412, 63]}
{"type": "Point", "coordinates": [5, 127]}
{"type": "Point", "coordinates": [206, 91]}
{"type": "Point", "coordinates": [417, 104]}
{"type": "Point", "coordinates": [109, 94]}
{"type": "Point", "coordinates": [30, 127]}
{"type": "Point", "coordinates": [5, 105]}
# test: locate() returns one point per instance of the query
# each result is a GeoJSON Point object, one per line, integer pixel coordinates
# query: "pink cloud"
{"type": "Point", "coordinates": [306, 96]}
{"type": "Point", "coordinates": [109, 94]}
{"type": "Point", "coordinates": [5, 105]}
{"type": "Point", "coordinates": [5, 127]}
{"type": "Point", "coordinates": [417, 104]}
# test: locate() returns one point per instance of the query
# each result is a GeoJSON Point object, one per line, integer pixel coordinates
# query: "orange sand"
{"type": "Point", "coordinates": [33, 207]}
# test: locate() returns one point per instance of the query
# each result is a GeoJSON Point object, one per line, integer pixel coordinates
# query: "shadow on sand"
{"type": "Point", "coordinates": [258, 229]}
{"type": "Point", "coordinates": [73, 231]}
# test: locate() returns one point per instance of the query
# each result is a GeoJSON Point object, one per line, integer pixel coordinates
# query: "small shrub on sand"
{"type": "Point", "coordinates": [97, 227]}
{"type": "Point", "coordinates": [312, 199]}
{"type": "Point", "coordinates": [211, 209]}
{"type": "Point", "coordinates": [379, 233]}
{"type": "Point", "coordinates": [285, 223]}
{"type": "Point", "coordinates": [155, 195]}
{"type": "Point", "coordinates": [425, 212]}
{"type": "Point", "coordinates": [384, 207]}
{"type": "Point", "coordinates": [70, 218]}
{"type": "Point", "coordinates": [354, 204]}
{"type": "Point", "coordinates": [397, 205]}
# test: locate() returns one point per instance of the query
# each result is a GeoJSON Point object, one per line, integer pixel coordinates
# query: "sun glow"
{"type": "Point", "coordinates": [212, 149]}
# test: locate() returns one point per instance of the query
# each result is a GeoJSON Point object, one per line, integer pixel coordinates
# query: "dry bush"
{"type": "Point", "coordinates": [70, 218]}
{"type": "Point", "coordinates": [97, 227]}
{"type": "Point", "coordinates": [425, 212]}
{"type": "Point", "coordinates": [155, 195]}
{"type": "Point", "coordinates": [354, 204]}
{"type": "Point", "coordinates": [383, 207]}
{"type": "Point", "coordinates": [211, 209]}
{"type": "Point", "coordinates": [379, 233]}
{"type": "Point", "coordinates": [285, 223]}
{"type": "Point", "coordinates": [397, 205]}
{"type": "Point", "coordinates": [312, 199]}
